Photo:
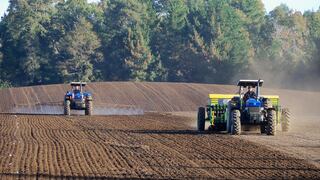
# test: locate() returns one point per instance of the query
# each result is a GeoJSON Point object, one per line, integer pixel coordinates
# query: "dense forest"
{"type": "Point", "coordinates": [205, 41]}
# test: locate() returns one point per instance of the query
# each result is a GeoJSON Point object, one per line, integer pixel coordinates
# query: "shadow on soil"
{"type": "Point", "coordinates": [181, 132]}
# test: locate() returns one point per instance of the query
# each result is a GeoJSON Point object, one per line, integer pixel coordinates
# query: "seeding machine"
{"type": "Point", "coordinates": [234, 113]}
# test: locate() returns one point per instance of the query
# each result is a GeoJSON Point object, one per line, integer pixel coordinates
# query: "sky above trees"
{"type": "Point", "coordinates": [293, 4]}
{"type": "Point", "coordinates": [269, 4]}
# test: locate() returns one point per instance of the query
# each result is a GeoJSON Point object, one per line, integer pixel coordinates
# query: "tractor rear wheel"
{"type": "Point", "coordinates": [67, 109]}
{"type": "Point", "coordinates": [235, 122]}
{"type": "Point", "coordinates": [271, 122]}
{"type": "Point", "coordinates": [201, 118]}
{"type": "Point", "coordinates": [285, 120]}
{"type": "Point", "coordinates": [89, 108]}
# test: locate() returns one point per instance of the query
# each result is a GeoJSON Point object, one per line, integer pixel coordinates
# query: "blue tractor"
{"type": "Point", "coordinates": [236, 112]}
{"type": "Point", "coordinates": [251, 110]}
{"type": "Point", "coordinates": [76, 99]}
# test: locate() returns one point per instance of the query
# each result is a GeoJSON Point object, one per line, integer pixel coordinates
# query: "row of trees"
{"type": "Point", "coordinates": [208, 41]}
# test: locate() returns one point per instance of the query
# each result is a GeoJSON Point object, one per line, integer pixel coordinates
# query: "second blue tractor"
{"type": "Point", "coordinates": [76, 99]}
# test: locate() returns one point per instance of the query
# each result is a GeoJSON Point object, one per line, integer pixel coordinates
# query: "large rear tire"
{"type": "Point", "coordinates": [235, 122]}
{"type": "Point", "coordinates": [67, 109]}
{"type": "Point", "coordinates": [285, 120]}
{"type": "Point", "coordinates": [201, 119]}
{"type": "Point", "coordinates": [89, 108]}
{"type": "Point", "coordinates": [271, 123]}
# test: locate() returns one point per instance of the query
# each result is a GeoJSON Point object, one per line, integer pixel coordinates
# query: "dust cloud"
{"type": "Point", "coordinates": [299, 91]}
{"type": "Point", "coordinates": [283, 78]}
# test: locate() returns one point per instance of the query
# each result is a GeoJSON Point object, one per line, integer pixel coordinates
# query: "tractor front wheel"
{"type": "Point", "coordinates": [263, 128]}
{"type": "Point", "coordinates": [201, 118]}
{"type": "Point", "coordinates": [89, 108]}
{"type": "Point", "coordinates": [271, 122]}
{"type": "Point", "coordinates": [235, 122]}
{"type": "Point", "coordinates": [285, 119]}
{"type": "Point", "coordinates": [67, 109]}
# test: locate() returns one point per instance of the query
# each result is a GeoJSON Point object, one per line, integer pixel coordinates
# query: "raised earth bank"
{"type": "Point", "coordinates": [160, 97]}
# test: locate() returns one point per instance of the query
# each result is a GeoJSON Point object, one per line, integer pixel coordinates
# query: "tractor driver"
{"type": "Point", "coordinates": [76, 89]}
{"type": "Point", "coordinates": [249, 94]}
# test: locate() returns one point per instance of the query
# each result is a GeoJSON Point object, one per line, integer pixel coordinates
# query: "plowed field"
{"type": "Point", "coordinates": [156, 146]}
{"type": "Point", "coordinates": [149, 146]}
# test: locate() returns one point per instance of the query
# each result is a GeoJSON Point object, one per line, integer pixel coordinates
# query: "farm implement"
{"type": "Point", "coordinates": [236, 112]}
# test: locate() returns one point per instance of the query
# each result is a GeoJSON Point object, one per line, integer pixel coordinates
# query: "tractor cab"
{"type": "Point", "coordinates": [77, 89]}
{"type": "Point", "coordinates": [250, 98]}
{"type": "Point", "coordinates": [77, 86]}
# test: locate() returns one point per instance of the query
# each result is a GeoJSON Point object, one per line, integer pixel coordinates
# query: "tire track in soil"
{"type": "Point", "coordinates": [219, 161]}
{"type": "Point", "coordinates": [8, 144]}
{"type": "Point", "coordinates": [120, 157]}
{"type": "Point", "coordinates": [93, 152]}
{"type": "Point", "coordinates": [56, 143]}
{"type": "Point", "coordinates": [229, 159]}
{"type": "Point", "coordinates": [187, 162]}
{"type": "Point", "coordinates": [128, 152]}
{"type": "Point", "coordinates": [238, 164]}
{"type": "Point", "coordinates": [119, 144]}
{"type": "Point", "coordinates": [19, 147]}
{"type": "Point", "coordinates": [34, 96]}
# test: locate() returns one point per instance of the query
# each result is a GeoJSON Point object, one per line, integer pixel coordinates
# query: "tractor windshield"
{"type": "Point", "coordinates": [76, 89]}
{"type": "Point", "coordinates": [249, 94]}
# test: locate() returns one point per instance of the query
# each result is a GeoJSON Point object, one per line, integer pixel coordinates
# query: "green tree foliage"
{"type": "Point", "coordinates": [289, 51]}
{"type": "Point", "coordinates": [126, 33]}
{"type": "Point", "coordinates": [200, 40]}
{"type": "Point", "coordinates": [5, 84]}
{"type": "Point", "coordinates": [77, 52]}
{"type": "Point", "coordinates": [75, 46]}
{"type": "Point", "coordinates": [313, 24]}
{"type": "Point", "coordinates": [170, 37]}
{"type": "Point", "coordinates": [23, 33]}
{"type": "Point", "coordinates": [1, 55]}
{"type": "Point", "coordinates": [207, 41]}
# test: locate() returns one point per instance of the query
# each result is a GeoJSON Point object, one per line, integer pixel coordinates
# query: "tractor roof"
{"type": "Point", "coordinates": [78, 84]}
{"type": "Point", "coordinates": [252, 83]}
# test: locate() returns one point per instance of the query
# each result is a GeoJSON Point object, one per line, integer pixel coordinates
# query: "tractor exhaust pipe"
{"type": "Point", "coordinates": [258, 89]}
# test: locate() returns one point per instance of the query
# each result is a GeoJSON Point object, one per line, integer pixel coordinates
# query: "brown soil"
{"type": "Point", "coordinates": [149, 146]}
{"type": "Point", "coordinates": [302, 142]}
{"type": "Point", "coordinates": [161, 97]}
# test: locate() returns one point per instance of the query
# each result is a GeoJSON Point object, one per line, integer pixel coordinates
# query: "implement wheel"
{"type": "Point", "coordinates": [271, 123]}
{"type": "Point", "coordinates": [201, 118]}
{"type": "Point", "coordinates": [89, 108]}
{"type": "Point", "coordinates": [235, 122]}
{"type": "Point", "coordinates": [285, 120]}
{"type": "Point", "coordinates": [67, 109]}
